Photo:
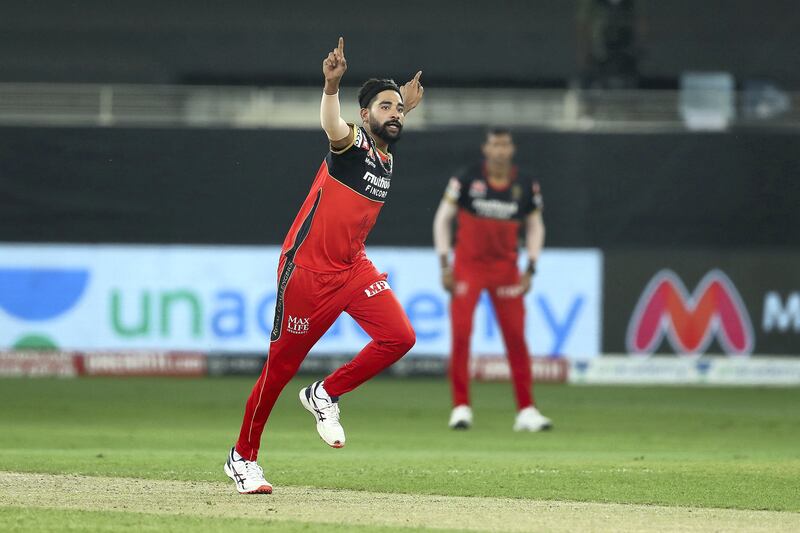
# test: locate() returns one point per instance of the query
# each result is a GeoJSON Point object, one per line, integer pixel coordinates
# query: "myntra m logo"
{"type": "Point", "coordinates": [690, 322]}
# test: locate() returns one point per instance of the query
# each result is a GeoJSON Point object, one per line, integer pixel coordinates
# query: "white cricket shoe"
{"type": "Point", "coordinates": [248, 476]}
{"type": "Point", "coordinates": [461, 417]}
{"type": "Point", "coordinates": [326, 412]}
{"type": "Point", "coordinates": [530, 419]}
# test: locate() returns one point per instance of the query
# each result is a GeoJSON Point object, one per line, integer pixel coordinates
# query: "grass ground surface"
{"type": "Point", "coordinates": [676, 447]}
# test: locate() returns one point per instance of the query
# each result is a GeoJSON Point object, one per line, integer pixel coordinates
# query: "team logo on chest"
{"type": "Point", "coordinates": [477, 189]}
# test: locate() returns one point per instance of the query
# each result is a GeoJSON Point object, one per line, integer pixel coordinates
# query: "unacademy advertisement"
{"type": "Point", "coordinates": [223, 298]}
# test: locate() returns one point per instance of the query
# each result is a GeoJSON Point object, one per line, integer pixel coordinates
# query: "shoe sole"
{"type": "Point", "coordinates": [304, 402]}
{"type": "Point", "coordinates": [263, 489]}
{"type": "Point", "coordinates": [545, 427]}
{"type": "Point", "coordinates": [461, 425]}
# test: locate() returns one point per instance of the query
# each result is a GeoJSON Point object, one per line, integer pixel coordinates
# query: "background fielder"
{"type": "Point", "coordinates": [491, 201]}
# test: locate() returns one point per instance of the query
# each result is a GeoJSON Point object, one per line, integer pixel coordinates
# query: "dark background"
{"type": "Point", "coordinates": [521, 42]}
{"type": "Point", "coordinates": [245, 186]}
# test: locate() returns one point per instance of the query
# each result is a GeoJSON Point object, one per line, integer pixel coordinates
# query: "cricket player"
{"type": "Point", "coordinates": [491, 201]}
{"type": "Point", "coordinates": [324, 271]}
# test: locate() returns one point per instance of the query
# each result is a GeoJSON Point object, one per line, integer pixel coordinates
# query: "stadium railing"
{"type": "Point", "coordinates": [634, 111]}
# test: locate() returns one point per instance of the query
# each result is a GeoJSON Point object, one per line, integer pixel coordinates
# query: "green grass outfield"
{"type": "Point", "coordinates": [729, 448]}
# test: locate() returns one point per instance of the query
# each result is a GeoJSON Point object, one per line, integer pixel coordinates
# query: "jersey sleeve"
{"type": "Point", "coordinates": [535, 202]}
{"type": "Point", "coordinates": [358, 142]}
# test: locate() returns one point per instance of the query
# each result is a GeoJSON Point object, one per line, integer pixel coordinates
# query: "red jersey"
{"type": "Point", "coordinates": [489, 218]}
{"type": "Point", "coordinates": [348, 192]}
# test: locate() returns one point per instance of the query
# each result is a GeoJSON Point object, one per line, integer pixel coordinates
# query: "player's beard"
{"type": "Point", "coordinates": [380, 131]}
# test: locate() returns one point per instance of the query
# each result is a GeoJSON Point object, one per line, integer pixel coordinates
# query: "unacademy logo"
{"type": "Point", "coordinates": [37, 294]}
{"type": "Point", "coordinates": [40, 294]}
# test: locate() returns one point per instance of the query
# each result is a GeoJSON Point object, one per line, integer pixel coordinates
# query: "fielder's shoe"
{"type": "Point", "coordinates": [248, 476]}
{"type": "Point", "coordinates": [326, 412]}
{"type": "Point", "coordinates": [461, 417]}
{"type": "Point", "coordinates": [530, 419]}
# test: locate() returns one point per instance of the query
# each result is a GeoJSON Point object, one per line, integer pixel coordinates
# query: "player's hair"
{"type": "Point", "coordinates": [372, 87]}
{"type": "Point", "coordinates": [498, 130]}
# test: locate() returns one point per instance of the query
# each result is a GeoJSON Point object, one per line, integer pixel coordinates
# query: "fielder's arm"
{"type": "Point", "coordinates": [443, 237]}
{"type": "Point", "coordinates": [534, 239]}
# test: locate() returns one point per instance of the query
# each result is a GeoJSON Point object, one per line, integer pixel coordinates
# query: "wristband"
{"type": "Point", "coordinates": [531, 267]}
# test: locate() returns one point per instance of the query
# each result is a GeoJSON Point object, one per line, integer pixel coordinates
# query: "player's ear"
{"type": "Point", "coordinates": [364, 115]}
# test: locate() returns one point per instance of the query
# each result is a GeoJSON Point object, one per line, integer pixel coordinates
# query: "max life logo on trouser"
{"type": "Point", "coordinates": [297, 325]}
{"type": "Point", "coordinates": [690, 321]}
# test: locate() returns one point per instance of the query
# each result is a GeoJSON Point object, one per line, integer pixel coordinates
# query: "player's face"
{"type": "Point", "coordinates": [498, 148]}
{"type": "Point", "coordinates": [385, 116]}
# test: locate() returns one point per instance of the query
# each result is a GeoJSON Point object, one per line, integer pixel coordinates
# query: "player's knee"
{"type": "Point", "coordinates": [405, 339]}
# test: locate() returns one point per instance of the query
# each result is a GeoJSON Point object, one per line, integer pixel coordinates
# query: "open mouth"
{"type": "Point", "coordinates": [394, 127]}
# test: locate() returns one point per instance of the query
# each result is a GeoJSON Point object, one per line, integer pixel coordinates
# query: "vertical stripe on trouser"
{"type": "Point", "coordinates": [263, 379]}
{"type": "Point", "coordinates": [283, 281]}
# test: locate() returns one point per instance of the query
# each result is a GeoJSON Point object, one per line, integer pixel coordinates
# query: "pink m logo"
{"type": "Point", "coordinates": [690, 322]}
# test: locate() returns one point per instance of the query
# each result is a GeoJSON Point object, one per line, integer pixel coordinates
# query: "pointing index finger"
{"type": "Point", "coordinates": [417, 75]}
{"type": "Point", "coordinates": [341, 45]}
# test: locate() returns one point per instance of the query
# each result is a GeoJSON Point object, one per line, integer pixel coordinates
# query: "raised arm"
{"type": "Point", "coordinates": [443, 237]}
{"type": "Point", "coordinates": [412, 92]}
{"type": "Point", "coordinates": [333, 68]}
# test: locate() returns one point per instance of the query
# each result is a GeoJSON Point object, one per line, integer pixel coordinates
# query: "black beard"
{"type": "Point", "coordinates": [383, 134]}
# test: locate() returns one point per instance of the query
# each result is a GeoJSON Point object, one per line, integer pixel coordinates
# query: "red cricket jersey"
{"type": "Point", "coordinates": [489, 219]}
{"type": "Point", "coordinates": [351, 186]}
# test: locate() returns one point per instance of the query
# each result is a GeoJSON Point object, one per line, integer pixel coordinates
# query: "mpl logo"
{"type": "Point", "coordinates": [40, 294]}
{"type": "Point", "coordinates": [690, 322]}
{"type": "Point", "coordinates": [377, 287]}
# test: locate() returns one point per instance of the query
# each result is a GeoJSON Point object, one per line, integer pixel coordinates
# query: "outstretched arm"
{"type": "Point", "coordinates": [333, 68]}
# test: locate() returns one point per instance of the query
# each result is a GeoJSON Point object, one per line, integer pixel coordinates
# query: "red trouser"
{"type": "Point", "coordinates": [508, 305]}
{"type": "Point", "coordinates": [307, 305]}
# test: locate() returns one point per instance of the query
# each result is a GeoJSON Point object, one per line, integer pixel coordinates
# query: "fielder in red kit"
{"type": "Point", "coordinates": [491, 202]}
{"type": "Point", "coordinates": [324, 270]}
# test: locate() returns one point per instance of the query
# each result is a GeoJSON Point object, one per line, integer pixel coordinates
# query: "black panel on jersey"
{"type": "Point", "coordinates": [470, 189]}
{"type": "Point", "coordinates": [360, 168]}
{"type": "Point", "coordinates": [304, 228]}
